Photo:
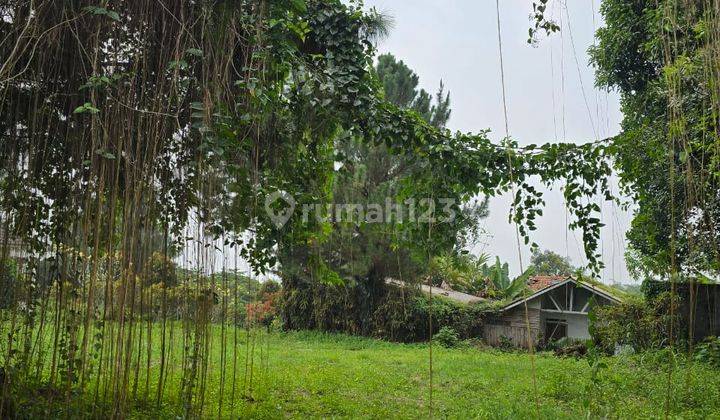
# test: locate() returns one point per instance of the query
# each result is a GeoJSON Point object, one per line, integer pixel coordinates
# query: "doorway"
{"type": "Point", "coordinates": [555, 329]}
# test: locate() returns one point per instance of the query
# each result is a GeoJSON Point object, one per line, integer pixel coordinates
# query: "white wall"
{"type": "Point", "coordinates": [577, 323]}
{"type": "Point", "coordinates": [577, 326]}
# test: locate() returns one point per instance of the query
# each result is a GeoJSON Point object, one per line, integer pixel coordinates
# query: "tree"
{"type": "Point", "coordinates": [549, 263]}
{"type": "Point", "coordinates": [400, 86]}
{"type": "Point", "coordinates": [361, 255]}
{"type": "Point", "coordinates": [462, 272]}
{"type": "Point", "coordinates": [498, 282]}
{"type": "Point", "coordinates": [473, 275]}
{"type": "Point", "coordinates": [661, 56]}
{"type": "Point", "coordinates": [372, 174]}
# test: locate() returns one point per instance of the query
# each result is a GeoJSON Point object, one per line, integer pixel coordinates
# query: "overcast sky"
{"type": "Point", "coordinates": [456, 41]}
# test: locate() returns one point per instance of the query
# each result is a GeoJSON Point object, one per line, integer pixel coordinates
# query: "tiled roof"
{"type": "Point", "coordinates": [537, 283]}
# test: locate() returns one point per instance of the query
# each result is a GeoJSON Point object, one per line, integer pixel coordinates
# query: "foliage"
{"type": "Point", "coordinates": [498, 274]}
{"type": "Point", "coordinates": [504, 287]}
{"type": "Point", "coordinates": [140, 133]}
{"type": "Point", "coordinates": [446, 337]}
{"type": "Point", "coordinates": [268, 287]}
{"type": "Point", "coordinates": [662, 57]}
{"type": "Point", "coordinates": [414, 320]}
{"type": "Point", "coordinates": [566, 346]}
{"type": "Point", "coordinates": [390, 312]}
{"type": "Point", "coordinates": [361, 254]}
{"type": "Point", "coordinates": [540, 21]}
{"type": "Point", "coordinates": [652, 289]}
{"type": "Point", "coordinates": [708, 351]}
{"type": "Point", "coordinates": [473, 275]}
{"type": "Point", "coordinates": [8, 283]}
{"type": "Point", "coordinates": [222, 297]}
{"type": "Point", "coordinates": [507, 344]}
{"type": "Point", "coordinates": [399, 84]}
{"type": "Point", "coordinates": [628, 290]}
{"type": "Point", "coordinates": [265, 311]}
{"type": "Point", "coordinates": [549, 263]}
{"type": "Point", "coordinates": [461, 272]}
{"type": "Point", "coordinates": [618, 291]}
{"type": "Point", "coordinates": [642, 324]}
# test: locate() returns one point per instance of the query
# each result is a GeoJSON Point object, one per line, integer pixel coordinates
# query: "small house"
{"type": "Point", "coordinates": [558, 307]}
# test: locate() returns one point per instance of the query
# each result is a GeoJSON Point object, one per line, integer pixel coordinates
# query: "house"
{"type": "Point", "coordinates": [558, 307]}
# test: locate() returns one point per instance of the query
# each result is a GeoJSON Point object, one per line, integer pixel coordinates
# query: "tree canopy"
{"type": "Point", "coordinates": [662, 58]}
{"type": "Point", "coordinates": [549, 263]}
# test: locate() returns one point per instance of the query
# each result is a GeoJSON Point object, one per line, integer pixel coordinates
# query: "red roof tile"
{"type": "Point", "coordinates": [537, 283]}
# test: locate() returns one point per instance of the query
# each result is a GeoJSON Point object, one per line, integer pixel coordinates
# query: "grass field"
{"type": "Point", "coordinates": [308, 374]}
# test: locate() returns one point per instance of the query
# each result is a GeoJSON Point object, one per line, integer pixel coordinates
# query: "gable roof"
{"type": "Point", "coordinates": [547, 283]}
{"type": "Point", "coordinates": [537, 283]}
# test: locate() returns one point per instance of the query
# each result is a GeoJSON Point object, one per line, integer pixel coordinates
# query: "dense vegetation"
{"type": "Point", "coordinates": [663, 59]}
{"type": "Point", "coordinates": [349, 293]}
{"type": "Point", "coordinates": [147, 146]}
{"type": "Point", "coordinates": [134, 130]}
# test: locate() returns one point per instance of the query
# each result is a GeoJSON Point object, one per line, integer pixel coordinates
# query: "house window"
{"type": "Point", "coordinates": [555, 329]}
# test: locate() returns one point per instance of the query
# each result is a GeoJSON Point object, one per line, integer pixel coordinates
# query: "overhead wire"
{"type": "Point", "coordinates": [529, 338]}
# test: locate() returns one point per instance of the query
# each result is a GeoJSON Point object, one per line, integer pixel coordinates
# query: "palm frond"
{"type": "Point", "coordinates": [378, 25]}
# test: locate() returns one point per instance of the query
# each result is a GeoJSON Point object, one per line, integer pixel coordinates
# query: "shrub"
{"type": "Point", "coordinates": [268, 287]}
{"type": "Point", "coordinates": [506, 344]}
{"type": "Point", "coordinates": [709, 351]}
{"type": "Point", "coordinates": [369, 307]}
{"type": "Point", "coordinates": [447, 337]}
{"type": "Point", "coordinates": [264, 312]}
{"type": "Point", "coordinates": [644, 325]}
{"type": "Point", "coordinates": [409, 320]}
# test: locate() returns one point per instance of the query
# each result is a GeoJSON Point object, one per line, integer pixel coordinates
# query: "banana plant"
{"type": "Point", "coordinates": [499, 277]}
{"type": "Point", "coordinates": [519, 285]}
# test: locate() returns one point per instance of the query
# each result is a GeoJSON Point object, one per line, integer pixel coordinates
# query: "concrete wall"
{"type": "Point", "coordinates": [577, 324]}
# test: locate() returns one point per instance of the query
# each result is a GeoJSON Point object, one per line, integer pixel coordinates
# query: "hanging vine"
{"type": "Point", "coordinates": [138, 139]}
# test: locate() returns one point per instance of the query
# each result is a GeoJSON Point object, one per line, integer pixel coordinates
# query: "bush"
{"type": "Point", "coordinates": [264, 312]}
{"type": "Point", "coordinates": [644, 325]}
{"type": "Point", "coordinates": [709, 351]}
{"type": "Point", "coordinates": [447, 337]}
{"type": "Point", "coordinates": [408, 319]}
{"type": "Point", "coordinates": [506, 344]}
{"type": "Point", "coordinates": [369, 307]}
{"type": "Point", "coordinates": [267, 288]}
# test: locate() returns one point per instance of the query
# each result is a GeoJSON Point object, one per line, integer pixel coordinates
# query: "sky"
{"type": "Point", "coordinates": [550, 97]}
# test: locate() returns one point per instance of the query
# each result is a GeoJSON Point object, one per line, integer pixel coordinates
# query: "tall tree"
{"type": "Point", "coordinates": [400, 84]}
{"type": "Point", "coordinates": [362, 255]}
{"type": "Point", "coordinates": [550, 263]}
{"type": "Point", "coordinates": [662, 57]}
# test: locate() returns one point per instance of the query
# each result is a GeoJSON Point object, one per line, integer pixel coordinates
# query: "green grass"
{"type": "Point", "coordinates": [308, 374]}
